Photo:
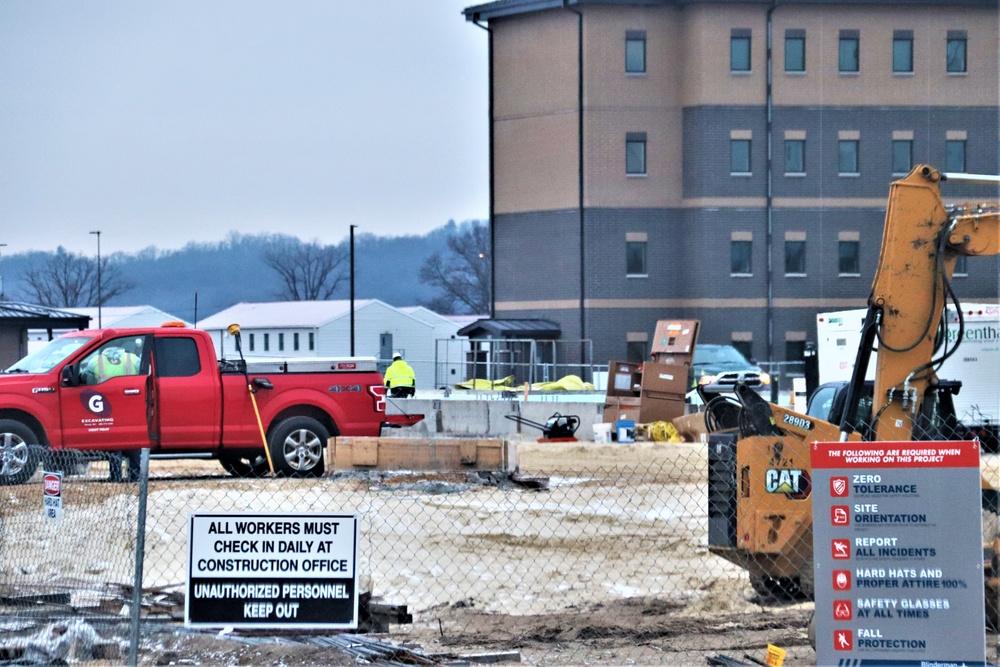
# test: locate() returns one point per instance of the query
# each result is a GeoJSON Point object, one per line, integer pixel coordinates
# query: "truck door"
{"type": "Point", "coordinates": [107, 409]}
{"type": "Point", "coordinates": [185, 395]}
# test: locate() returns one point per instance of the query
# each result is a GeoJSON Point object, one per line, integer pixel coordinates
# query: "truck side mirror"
{"type": "Point", "coordinates": [70, 375]}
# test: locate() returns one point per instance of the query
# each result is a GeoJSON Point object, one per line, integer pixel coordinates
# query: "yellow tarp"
{"type": "Point", "coordinates": [482, 385]}
{"type": "Point", "coordinates": [566, 383]}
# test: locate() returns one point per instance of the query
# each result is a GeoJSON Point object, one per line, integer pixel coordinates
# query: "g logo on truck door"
{"type": "Point", "coordinates": [96, 403]}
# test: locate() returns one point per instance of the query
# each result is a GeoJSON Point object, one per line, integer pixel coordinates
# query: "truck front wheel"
{"type": "Point", "coordinates": [18, 457]}
{"type": "Point", "coordinates": [297, 447]}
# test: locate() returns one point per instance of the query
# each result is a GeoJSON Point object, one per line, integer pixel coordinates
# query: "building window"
{"type": "Point", "coordinates": [295, 342]}
{"type": "Point", "coordinates": [795, 258]}
{"type": "Point", "coordinates": [849, 52]}
{"type": "Point", "coordinates": [741, 258]}
{"type": "Point", "coordinates": [795, 51]}
{"type": "Point", "coordinates": [635, 52]}
{"type": "Point", "coordinates": [635, 258]}
{"type": "Point", "coordinates": [739, 156]}
{"type": "Point", "coordinates": [956, 63]}
{"type": "Point", "coordinates": [744, 347]}
{"type": "Point", "coordinates": [251, 342]}
{"type": "Point", "coordinates": [795, 156]}
{"type": "Point", "coordinates": [635, 154]}
{"type": "Point", "coordinates": [267, 342]}
{"type": "Point", "coordinates": [636, 351]}
{"type": "Point", "coordinates": [739, 50]}
{"type": "Point", "coordinates": [954, 160]}
{"type": "Point", "coordinates": [795, 350]}
{"type": "Point", "coordinates": [281, 342]}
{"type": "Point", "coordinates": [902, 156]}
{"type": "Point", "coordinates": [962, 266]}
{"type": "Point", "coordinates": [847, 157]}
{"type": "Point", "coordinates": [902, 52]}
{"type": "Point", "coordinates": [312, 341]}
{"type": "Point", "coordinates": [849, 258]}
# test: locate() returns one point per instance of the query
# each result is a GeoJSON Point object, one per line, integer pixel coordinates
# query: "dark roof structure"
{"type": "Point", "coordinates": [535, 329]}
{"type": "Point", "coordinates": [40, 317]}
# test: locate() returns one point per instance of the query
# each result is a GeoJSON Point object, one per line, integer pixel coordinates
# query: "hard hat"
{"type": "Point", "coordinates": [397, 355]}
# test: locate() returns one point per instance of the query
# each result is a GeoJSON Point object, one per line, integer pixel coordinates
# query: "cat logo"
{"type": "Point", "coordinates": [792, 482]}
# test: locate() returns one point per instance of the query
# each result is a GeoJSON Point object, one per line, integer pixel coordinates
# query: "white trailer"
{"type": "Point", "coordinates": [976, 362]}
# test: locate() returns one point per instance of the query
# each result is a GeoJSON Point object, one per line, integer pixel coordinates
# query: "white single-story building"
{"type": "Point", "coordinates": [110, 317]}
{"type": "Point", "coordinates": [323, 329]}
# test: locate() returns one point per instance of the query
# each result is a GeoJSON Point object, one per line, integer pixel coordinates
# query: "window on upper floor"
{"type": "Point", "coordinates": [739, 50]}
{"type": "Point", "coordinates": [849, 52]}
{"type": "Point", "coordinates": [635, 258]}
{"type": "Point", "coordinates": [902, 156]}
{"type": "Point", "coordinates": [739, 156]}
{"type": "Point", "coordinates": [956, 52]}
{"type": "Point", "coordinates": [635, 154]}
{"type": "Point", "coordinates": [795, 51]}
{"type": "Point", "coordinates": [849, 258]}
{"type": "Point", "coordinates": [744, 347]}
{"type": "Point", "coordinates": [795, 156]}
{"type": "Point", "coordinates": [847, 157]}
{"type": "Point", "coordinates": [741, 258]}
{"type": "Point", "coordinates": [954, 160]}
{"type": "Point", "coordinates": [636, 351]}
{"type": "Point", "coordinates": [635, 52]}
{"type": "Point", "coordinates": [902, 52]}
{"type": "Point", "coordinates": [795, 257]}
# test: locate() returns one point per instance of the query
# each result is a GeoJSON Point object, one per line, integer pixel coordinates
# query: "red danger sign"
{"type": "Point", "coordinates": [52, 484]}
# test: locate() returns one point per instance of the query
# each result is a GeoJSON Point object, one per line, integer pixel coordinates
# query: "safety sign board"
{"type": "Point", "coordinates": [897, 544]}
{"type": "Point", "coordinates": [272, 571]}
{"type": "Point", "coordinates": [52, 495]}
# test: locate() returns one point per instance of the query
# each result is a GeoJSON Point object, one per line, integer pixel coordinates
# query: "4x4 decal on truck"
{"type": "Point", "coordinates": [96, 403]}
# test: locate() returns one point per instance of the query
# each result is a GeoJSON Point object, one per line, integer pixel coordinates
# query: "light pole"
{"type": "Point", "coordinates": [2, 245]}
{"type": "Point", "coordinates": [100, 325]}
{"type": "Point", "coordinates": [352, 289]}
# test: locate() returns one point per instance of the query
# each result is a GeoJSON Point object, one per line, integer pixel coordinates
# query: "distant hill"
{"type": "Point", "coordinates": [234, 270]}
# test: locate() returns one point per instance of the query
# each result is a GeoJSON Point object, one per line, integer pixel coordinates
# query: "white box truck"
{"type": "Point", "coordinates": [976, 363]}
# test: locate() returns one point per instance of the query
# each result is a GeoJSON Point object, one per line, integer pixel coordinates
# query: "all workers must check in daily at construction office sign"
{"type": "Point", "coordinates": [897, 543]}
{"type": "Point", "coordinates": [272, 570]}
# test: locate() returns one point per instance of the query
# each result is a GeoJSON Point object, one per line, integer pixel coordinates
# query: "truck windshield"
{"type": "Point", "coordinates": [50, 356]}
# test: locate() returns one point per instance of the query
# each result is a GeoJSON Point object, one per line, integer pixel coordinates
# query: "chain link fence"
{"type": "Point", "coordinates": [592, 554]}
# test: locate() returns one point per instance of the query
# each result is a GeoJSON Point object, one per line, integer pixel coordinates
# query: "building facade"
{"type": "Point", "coordinates": [722, 161]}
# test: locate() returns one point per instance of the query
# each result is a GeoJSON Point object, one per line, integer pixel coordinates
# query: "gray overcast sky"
{"type": "Point", "coordinates": [161, 123]}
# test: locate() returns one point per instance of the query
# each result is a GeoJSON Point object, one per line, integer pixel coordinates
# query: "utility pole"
{"type": "Point", "coordinates": [100, 324]}
{"type": "Point", "coordinates": [352, 289]}
{"type": "Point", "coordinates": [2, 245]}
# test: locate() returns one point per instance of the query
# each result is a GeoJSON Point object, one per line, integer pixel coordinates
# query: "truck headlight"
{"type": "Point", "coordinates": [765, 378]}
{"type": "Point", "coordinates": [706, 379]}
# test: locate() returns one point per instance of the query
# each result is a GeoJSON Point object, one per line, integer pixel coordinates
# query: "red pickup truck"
{"type": "Point", "coordinates": [105, 390]}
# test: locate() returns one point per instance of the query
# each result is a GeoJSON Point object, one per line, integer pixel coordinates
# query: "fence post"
{"type": "Point", "coordinates": [140, 550]}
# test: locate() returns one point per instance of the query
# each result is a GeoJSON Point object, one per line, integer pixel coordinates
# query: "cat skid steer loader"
{"type": "Point", "coordinates": [760, 503]}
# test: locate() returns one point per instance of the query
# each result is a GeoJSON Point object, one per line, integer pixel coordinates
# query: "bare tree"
{"type": "Point", "coordinates": [69, 280]}
{"type": "Point", "coordinates": [461, 276]}
{"type": "Point", "coordinates": [308, 271]}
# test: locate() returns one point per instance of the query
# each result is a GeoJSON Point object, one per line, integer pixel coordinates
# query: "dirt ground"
{"type": "Point", "coordinates": [607, 566]}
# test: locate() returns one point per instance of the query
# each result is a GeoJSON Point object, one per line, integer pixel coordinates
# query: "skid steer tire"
{"type": "Point", "coordinates": [774, 589]}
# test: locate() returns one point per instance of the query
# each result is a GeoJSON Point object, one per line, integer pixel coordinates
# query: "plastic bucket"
{"type": "Point", "coordinates": [602, 433]}
{"type": "Point", "coordinates": [626, 430]}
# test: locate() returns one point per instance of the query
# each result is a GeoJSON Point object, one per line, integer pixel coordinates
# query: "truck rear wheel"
{"type": "Point", "coordinates": [297, 447]}
{"type": "Point", "coordinates": [245, 466]}
{"type": "Point", "coordinates": [18, 455]}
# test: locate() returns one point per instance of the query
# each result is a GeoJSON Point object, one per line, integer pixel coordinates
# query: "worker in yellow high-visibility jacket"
{"type": "Point", "coordinates": [399, 378]}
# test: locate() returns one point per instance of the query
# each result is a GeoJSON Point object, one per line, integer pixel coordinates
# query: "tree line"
{"type": "Point", "coordinates": [448, 270]}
